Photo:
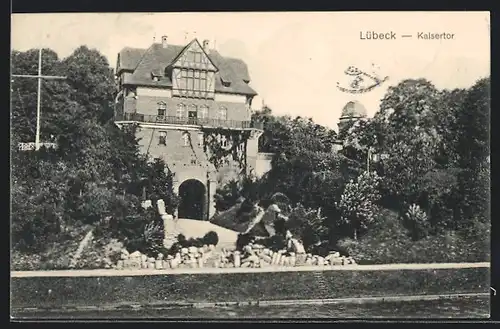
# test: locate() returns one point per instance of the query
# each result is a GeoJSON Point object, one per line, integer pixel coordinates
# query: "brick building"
{"type": "Point", "coordinates": [184, 97]}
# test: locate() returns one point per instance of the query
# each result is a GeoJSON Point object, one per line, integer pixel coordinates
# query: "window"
{"type": "Point", "coordinates": [162, 140]}
{"type": "Point", "coordinates": [185, 138]}
{"type": "Point", "coordinates": [162, 108]}
{"type": "Point", "coordinates": [203, 112]}
{"type": "Point", "coordinates": [222, 113]}
{"type": "Point", "coordinates": [181, 109]}
{"type": "Point", "coordinates": [193, 80]}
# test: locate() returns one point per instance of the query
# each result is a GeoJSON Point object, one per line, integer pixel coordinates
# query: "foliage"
{"type": "Point", "coordinates": [218, 154]}
{"type": "Point", "coordinates": [357, 204]}
{"type": "Point", "coordinates": [388, 243]}
{"type": "Point", "coordinates": [418, 221]}
{"type": "Point", "coordinates": [96, 171]}
{"type": "Point", "coordinates": [210, 238]}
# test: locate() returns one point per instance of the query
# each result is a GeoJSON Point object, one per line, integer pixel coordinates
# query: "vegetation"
{"type": "Point", "coordinates": [425, 198]}
{"type": "Point", "coordinates": [427, 194]}
{"type": "Point", "coordinates": [96, 173]}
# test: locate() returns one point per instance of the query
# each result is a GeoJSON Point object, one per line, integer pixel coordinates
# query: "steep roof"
{"type": "Point", "coordinates": [353, 109]}
{"type": "Point", "coordinates": [153, 61]}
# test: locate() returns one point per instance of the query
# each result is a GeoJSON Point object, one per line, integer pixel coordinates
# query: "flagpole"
{"type": "Point", "coordinates": [37, 138]}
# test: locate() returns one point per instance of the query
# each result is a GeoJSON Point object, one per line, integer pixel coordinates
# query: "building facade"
{"type": "Point", "coordinates": [189, 101]}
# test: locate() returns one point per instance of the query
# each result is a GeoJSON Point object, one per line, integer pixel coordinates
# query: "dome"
{"type": "Point", "coordinates": [353, 109]}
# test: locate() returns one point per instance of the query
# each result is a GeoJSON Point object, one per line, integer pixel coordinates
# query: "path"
{"type": "Point", "coordinates": [143, 272]}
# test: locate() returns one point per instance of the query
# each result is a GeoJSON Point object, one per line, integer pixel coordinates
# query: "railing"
{"type": "Point", "coordinates": [191, 121]}
{"type": "Point", "coordinates": [31, 146]}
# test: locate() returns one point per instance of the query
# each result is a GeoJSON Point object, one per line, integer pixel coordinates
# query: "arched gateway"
{"type": "Point", "coordinates": [192, 194]}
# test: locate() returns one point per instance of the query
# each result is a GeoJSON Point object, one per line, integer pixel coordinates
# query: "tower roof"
{"type": "Point", "coordinates": [353, 109]}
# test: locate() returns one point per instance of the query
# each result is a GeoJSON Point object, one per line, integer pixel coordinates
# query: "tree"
{"type": "Point", "coordinates": [357, 204]}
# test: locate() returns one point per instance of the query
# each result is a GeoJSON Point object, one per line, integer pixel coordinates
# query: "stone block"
{"type": "Point", "coordinates": [165, 264]}
{"type": "Point", "coordinates": [132, 264]}
{"type": "Point", "coordinates": [159, 264]}
{"type": "Point", "coordinates": [119, 265]}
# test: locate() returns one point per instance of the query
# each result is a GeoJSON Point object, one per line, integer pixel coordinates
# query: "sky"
{"type": "Point", "coordinates": [295, 59]}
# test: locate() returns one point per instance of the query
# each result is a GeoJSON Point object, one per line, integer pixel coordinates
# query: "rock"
{"type": "Point", "coordinates": [132, 264]}
{"type": "Point", "coordinates": [160, 256]}
{"type": "Point", "coordinates": [309, 261]}
{"type": "Point", "coordinates": [144, 264]}
{"type": "Point", "coordinates": [124, 256]}
{"type": "Point", "coordinates": [184, 251]}
{"type": "Point", "coordinates": [124, 252]}
{"type": "Point", "coordinates": [248, 250]}
{"type": "Point", "coordinates": [257, 246]}
{"type": "Point", "coordinates": [169, 257]}
{"type": "Point", "coordinates": [286, 261]}
{"type": "Point", "coordinates": [193, 250]}
{"type": "Point", "coordinates": [320, 261]}
{"type": "Point", "coordinates": [293, 259]}
{"type": "Point", "coordinates": [144, 258]}
{"type": "Point", "coordinates": [267, 259]}
{"type": "Point", "coordinates": [300, 259]}
{"type": "Point", "coordinates": [245, 264]}
{"type": "Point", "coordinates": [335, 261]}
{"type": "Point", "coordinates": [174, 263]}
{"type": "Point", "coordinates": [200, 262]}
{"type": "Point", "coordinates": [151, 265]}
{"type": "Point", "coordinates": [237, 259]}
{"type": "Point", "coordinates": [211, 247]}
{"type": "Point", "coordinates": [201, 250]}
{"type": "Point", "coordinates": [119, 265]}
{"type": "Point", "coordinates": [282, 260]}
{"type": "Point", "coordinates": [151, 260]}
{"type": "Point", "coordinates": [159, 264]}
{"type": "Point", "coordinates": [251, 258]}
{"type": "Point", "coordinates": [165, 264]}
{"type": "Point", "coordinates": [276, 258]}
{"type": "Point", "coordinates": [135, 254]}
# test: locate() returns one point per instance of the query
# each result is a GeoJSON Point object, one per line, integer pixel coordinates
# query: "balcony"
{"type": "Point", "coordinates": [214, 123]}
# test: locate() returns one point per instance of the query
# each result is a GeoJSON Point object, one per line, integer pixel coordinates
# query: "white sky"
{"type": "Point", "coordinates": [295, 59]}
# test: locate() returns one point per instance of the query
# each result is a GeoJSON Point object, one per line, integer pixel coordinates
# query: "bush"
{"type": "Point", "coordinates": [417, 221]}
{"type": "Point", "coordinates": [388, 243]}
{"type": "Point", "coordinates": [211, 238]}
{"type": "Point", "coordinates": [357, 205]}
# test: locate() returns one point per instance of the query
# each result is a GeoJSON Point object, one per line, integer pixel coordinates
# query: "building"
{"type": "Point", "coordinates": [189, 100]}
{"type": "Point", "coordinates": [353, 111]}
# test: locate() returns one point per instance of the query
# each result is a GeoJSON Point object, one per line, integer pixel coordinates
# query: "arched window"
{"type": "Point", "coordinates": [222, 113]}
{"type": "Point", "coordinates": [203, 112]}
{"type": "Point", "coordinates": [162, 109]}
{"type": "Point", "coordinates": [181, 111]}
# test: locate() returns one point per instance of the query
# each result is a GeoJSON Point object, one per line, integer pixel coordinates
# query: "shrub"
{"type": "Point", "coordinates": [357, 205]}
{"type": "Point", "coordinates": [417, 221]}
{"type": "Point", "coordinates": [387, 242]}
{"type": "Point", "coordinates": [211, 238]}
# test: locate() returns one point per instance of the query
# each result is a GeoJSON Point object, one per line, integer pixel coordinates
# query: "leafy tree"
{"type": "Point", "coordinates": [358, 202]}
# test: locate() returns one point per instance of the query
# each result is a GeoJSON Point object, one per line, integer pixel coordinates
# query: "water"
{"type": "Point", "coordinates": [464, 307]}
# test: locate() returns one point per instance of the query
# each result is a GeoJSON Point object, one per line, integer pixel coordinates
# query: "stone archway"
{"type": "Point", "coordinates": [192, 194]}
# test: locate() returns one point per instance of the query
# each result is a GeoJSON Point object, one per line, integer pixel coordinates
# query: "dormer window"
{"type": "Point", "coordinates": [225, 82]}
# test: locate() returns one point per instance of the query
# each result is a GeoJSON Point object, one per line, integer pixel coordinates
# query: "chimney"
{"type": "Point", "coordinates": [164, 43]}
{"type": "Point", "coordinates": [205, 44]}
